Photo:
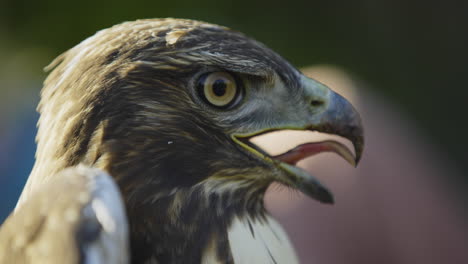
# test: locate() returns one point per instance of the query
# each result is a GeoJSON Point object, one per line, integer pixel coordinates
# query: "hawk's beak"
{"type": "Point", "coordinates": [332, 114]}
{"type": "Point", "coordinates": [339, 118]}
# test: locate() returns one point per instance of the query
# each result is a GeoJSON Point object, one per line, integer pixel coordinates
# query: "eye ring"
{"type": "Point", "coordinates": [221, 90]}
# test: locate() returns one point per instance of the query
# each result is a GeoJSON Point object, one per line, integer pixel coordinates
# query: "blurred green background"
{"type": "Point", "coordinates": [413, 53]}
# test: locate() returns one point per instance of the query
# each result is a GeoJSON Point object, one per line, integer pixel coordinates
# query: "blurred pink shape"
{"type": "Point", "coordinates": [395, 207]}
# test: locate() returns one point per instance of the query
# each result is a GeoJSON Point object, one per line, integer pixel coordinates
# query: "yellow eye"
{"type": "Point", "coordinates": [219, 89]}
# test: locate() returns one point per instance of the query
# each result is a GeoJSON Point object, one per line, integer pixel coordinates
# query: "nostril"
{"type": "Point", "coordinates": [316, 103]}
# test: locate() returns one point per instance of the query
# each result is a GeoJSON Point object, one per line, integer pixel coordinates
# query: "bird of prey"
{"type": "Point", "coordinates": [166, 108]}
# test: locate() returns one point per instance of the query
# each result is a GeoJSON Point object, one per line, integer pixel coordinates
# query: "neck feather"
{"type": "Point", "coordinates": [180, 226]}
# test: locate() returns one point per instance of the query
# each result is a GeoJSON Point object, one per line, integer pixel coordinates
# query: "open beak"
{"type": "Point", "coordinates": [338, 118]}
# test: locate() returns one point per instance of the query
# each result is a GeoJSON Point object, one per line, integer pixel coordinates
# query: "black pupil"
{"type": "Point", "coordinates": [219, 87]}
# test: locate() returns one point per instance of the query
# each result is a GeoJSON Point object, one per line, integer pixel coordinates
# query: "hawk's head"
{"type": "Point", "coordinates": [167, 107]}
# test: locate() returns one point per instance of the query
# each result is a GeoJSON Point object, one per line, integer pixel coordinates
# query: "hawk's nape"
{"type": "Point", "coordinates": [167, 108]}
{"type": "Point", "coordinates": [77, 218]}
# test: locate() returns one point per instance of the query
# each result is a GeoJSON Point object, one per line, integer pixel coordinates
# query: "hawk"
{"type": "Point", "coordinates": [165, 109]}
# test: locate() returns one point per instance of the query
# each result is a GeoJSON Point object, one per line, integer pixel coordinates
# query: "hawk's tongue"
{"type": "Point", "coordinates": [309, 149]}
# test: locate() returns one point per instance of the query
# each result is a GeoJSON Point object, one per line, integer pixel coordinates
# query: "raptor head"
{"type": "Point", "coordinates": [168, 106]}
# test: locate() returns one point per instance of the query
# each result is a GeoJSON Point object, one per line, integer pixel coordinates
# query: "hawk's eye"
{"type": "Point", "coordinates": [219, 89]}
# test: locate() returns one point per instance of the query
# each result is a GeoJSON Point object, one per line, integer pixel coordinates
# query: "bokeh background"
{"type": "Point", "coordinates": [403, 63]}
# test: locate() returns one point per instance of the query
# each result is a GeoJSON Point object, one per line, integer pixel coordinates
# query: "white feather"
{"type": "Point", "coordinates": [268, 243]}
{"type": "Point", "coordinates": [112, 244]}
